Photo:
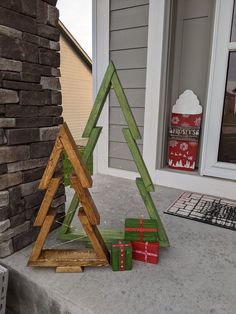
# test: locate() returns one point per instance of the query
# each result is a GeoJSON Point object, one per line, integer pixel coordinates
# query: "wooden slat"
{"type": "Point", "coordinates": [94, 236]}
{"type": "Point", "coordinates": [43, 234]}
{"type": "Point", "coordinates": [69, 269]}
{"type": "Point", "coordinates": [47, 200]}
{"type": "Point", "coordinates": [66, 258]}
{"type": "Point", "coordinates": [66, 255]}
{"type": "Point", "coordinates": [51, 165]}
{"type": "Point", "coordinates": [75, 201]}
{"type": "Point", "coordinates": [138, 160]}
{"type": "Point", "coordinates": [86, 201]}
{"type": "Point", "coordinates": [99, 101]}
{"type": "Point", "coordinates": [49, 263]}
{"type": "Point", "coordinates": [92, 141]}
{"type": "Point", "coordinates": [129, 118]}
{"type": "Point", "coordinates": [152, 211]}
{"type": "Point", "coordinates": [74, 156]}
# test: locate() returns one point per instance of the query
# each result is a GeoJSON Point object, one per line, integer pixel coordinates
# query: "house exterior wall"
{"type": "Point", "coordinates": [158, 30]}
{"type": "Point", "coordinates": [30, 109]}
{"type": "Point", "coordinates": [128, 51]}
{"type": "Point", "coordinates": [76, 84]}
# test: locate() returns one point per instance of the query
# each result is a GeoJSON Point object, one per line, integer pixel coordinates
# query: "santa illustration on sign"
{"type": "Point", "coordinates": [184, 132]}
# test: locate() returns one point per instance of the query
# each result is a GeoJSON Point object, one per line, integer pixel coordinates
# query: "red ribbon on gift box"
{"type": "Point", "coordinates": [140, 229]}
{"type": "Point", "coordinates": [121, 246]}
{"type": "Point", "coordinates": [146, 253]}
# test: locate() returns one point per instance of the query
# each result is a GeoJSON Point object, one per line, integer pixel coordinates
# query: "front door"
{"type": "Point", "coordinates": [219, 149]}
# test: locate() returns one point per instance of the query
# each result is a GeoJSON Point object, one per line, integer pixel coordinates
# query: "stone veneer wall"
{"type": "Point", "coordinates": [30, 109]}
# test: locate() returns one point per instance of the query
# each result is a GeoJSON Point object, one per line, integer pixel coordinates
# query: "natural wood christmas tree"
{"type": "Point", "coordinates": [68, 260]}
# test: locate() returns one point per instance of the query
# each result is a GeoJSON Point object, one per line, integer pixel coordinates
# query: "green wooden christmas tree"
{"type": "Point", "coordinates": [131, 134]}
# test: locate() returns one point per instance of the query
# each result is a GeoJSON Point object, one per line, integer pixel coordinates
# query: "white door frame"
{"type": "Point", "coordinates": [100, 40]}
{"type": "Point", "coordinates": [215, 101]}
{"type": "Point", "coordinates": [154, 80]}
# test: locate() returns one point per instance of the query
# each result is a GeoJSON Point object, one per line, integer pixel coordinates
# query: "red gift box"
{"type": "Point", "coordinates": [147, 252]}
{"type": "Point", "coordinates": [183, 141]}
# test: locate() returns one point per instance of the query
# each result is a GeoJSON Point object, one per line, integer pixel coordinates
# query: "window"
{"type": "Point", "coordinates": [219, 149]}
{"type": "Point", "coordinates": [227, 146]}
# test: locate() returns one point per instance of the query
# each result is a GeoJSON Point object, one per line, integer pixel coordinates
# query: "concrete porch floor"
{"type": "Point", "coordinates": [197, 275]}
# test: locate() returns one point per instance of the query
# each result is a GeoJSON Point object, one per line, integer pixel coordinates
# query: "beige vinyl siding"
{"type": "Point", "coordinates": [76, 83]}
{"type": "Point", "coordinates": [128, 51]}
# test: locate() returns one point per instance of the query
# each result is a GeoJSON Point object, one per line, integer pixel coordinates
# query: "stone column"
{"type": "Point", "coordinates": [30, 114]}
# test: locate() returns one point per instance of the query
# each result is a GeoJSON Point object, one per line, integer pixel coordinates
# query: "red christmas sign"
{"type": "Point", "coordinates": [184, 132]}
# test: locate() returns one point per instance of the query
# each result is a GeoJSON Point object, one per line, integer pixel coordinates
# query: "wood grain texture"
{"type": "Point", "coordinates": [52, 164]}
{"type": "Point", "coordinates": [51, 263]}
{"type": "Point", "coordinates": [86, 201]}
{"type": "Point", "coordinates": [69, 269]}
{"type": "Point", "coordinates": [94, 236]}
{"type": "Point", "coordinates": [74, 156]}
{"type": "Point", "coordinates": [68, 258]}
{"type": "Point", "coordinates": [152, 211]}
{"type": "Point", "coordinates": [43, 234]}
{"type": "Point", "coordinates": [75, 201]}
{"type": "Point", "coordinates": [99, 101]}
{"type": "Point", "coordinates": [47, 200]}
{"type": "Point", "coordinates": [65, 255]}
{"type": "Point", "coordinates": [92, 141]}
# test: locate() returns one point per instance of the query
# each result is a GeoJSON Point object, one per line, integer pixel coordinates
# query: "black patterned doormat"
{"type": "Point", "coordinates": [204, 208]}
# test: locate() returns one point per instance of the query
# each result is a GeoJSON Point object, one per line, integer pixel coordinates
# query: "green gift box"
{"type": "Point", "coordinates": [121, 255]}
{"type": "Point", "coordinates": [141, 230]}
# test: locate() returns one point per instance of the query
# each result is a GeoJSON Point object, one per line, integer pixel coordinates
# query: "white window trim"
{"type": "Point", "coordinates": [100, 63]}
{"type": "Point", "coordinates": [101, 29]}
{"type": "Point", "coordinates": [209, 162]}
{"type": "Point", "coordinates": [154, 78]}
